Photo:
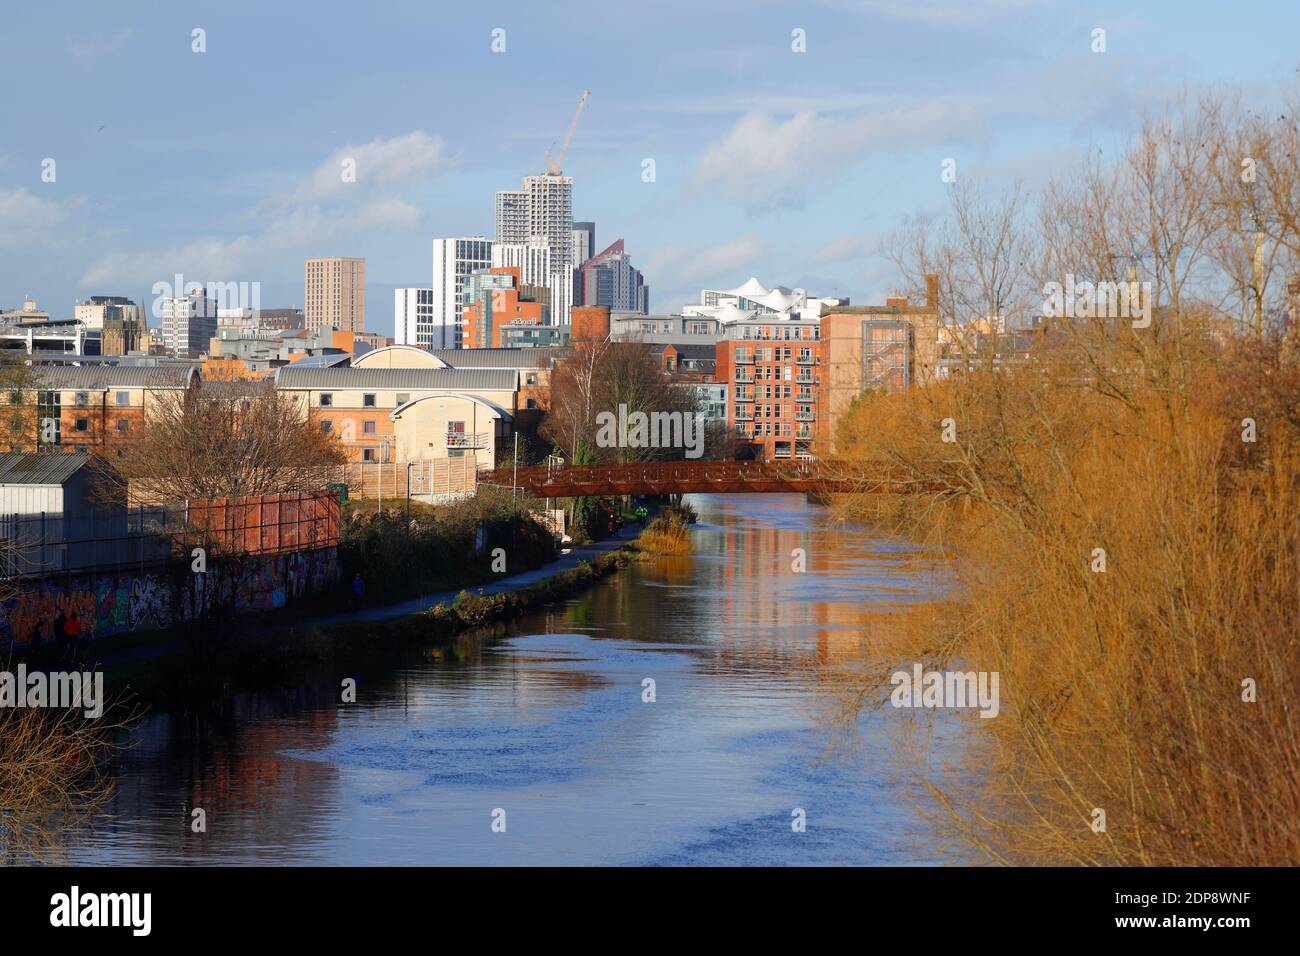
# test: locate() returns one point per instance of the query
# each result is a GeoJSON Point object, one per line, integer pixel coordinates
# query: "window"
{"type": "Point", "coordinates": [83, 424]}
{"type": "Point", "coordinates": [403, 398]}
{"type": "Point", "coordinates": [83, 399]}
{"type": "Point", "coordinates": [123, 425]}
{"type": "Point", "coordinates": [49, 410]}
{"type": "Point", "coordinates": [326, 399]}
{"type": "Point", "coordinates": [368, 454]}
{"type": "Point", "coordinates": [123, 399]}
{"type": "Point", "coordinates": [368, 401]}
{"type": "Point", "coordinates": [326, 426]}
{"type": "Point", "coordinates": [530, 378]}
{"type": "Point", "coordinates": [368, 428]}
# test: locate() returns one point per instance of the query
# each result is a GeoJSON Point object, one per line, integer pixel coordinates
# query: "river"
{"type": "Point", "coordinates": [546, 729]}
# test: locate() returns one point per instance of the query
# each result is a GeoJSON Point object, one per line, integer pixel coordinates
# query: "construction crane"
{"type": "Point", "coordinates": [553, 165]}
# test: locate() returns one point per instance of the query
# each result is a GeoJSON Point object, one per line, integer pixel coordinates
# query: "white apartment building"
{"type": "Point", "coordinates": [512, 215]}
{"type": "Point", "coordinates": [531, 258]}
{"type": "Point", "coordinates": [453, 260]}
{"type": "Point", "coordinates": [189, 323]}
{"type": "Point", "coordinates": [550, 215]}
{"type": "Point", "coordinates": [415, 321]}
{"type": "Point", "coordinates": [543, 210]}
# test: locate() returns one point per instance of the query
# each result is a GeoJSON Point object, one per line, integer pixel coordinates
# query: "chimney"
{"type": "Point", "coordinates": [932, 291]}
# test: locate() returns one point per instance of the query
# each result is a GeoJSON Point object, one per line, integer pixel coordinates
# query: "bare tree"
{"type": "Point", "coordinates": [217, 440]}
{"type": "Point", "coordinates": [603, 379]}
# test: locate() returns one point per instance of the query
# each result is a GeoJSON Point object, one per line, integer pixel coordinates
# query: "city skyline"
{"type": "Point", "coordinates": [733, 157]}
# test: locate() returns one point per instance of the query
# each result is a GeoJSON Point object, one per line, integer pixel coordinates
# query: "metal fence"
{"type": "Point", "coordinates": [112, 539]}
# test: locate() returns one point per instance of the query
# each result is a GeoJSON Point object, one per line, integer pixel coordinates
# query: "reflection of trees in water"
{"type": "Point", "coordinates": [52, 780]}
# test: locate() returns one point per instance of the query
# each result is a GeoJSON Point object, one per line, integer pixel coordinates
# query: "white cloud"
{"type": "Point", "coordinates": [846, 248]}
{"type": "Point", "coordinates": [765, 162]}
{"type": "Point", "coordinates": [943, 12]}
{"type": "Point", "coordinates": [295, 226]}
{"type": "Point", "coordinates": [98, 46]}
{"type": "Point", "coordinates": [383, 162]}
{"type": "Point", "coordinates": [28, 218]}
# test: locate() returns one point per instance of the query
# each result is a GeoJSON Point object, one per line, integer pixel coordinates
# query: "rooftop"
{"type": "Point", "coordinates": [17, 468]}
{"type": "Point", "coordinates": [453, 379]}
{"type": "Point", "coordinates": [501, 358]}
{"type": "Point", "coordinates": [93, 377]}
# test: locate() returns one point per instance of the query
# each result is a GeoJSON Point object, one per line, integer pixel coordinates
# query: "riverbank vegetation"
{"type": "Point", "coordinates": [52, 772]}
{"type": "Point", "coordinates": [471, 610]}
{"type": "Point", "coordinates": [1124, 505]}
{"type": "Point", "coordinates": [438, 547]}
{"type": "Point", "coordinates": [669, 531]}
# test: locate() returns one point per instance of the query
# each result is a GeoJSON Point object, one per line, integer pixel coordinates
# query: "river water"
{"type": "Point", "coordinates": [547, 730]}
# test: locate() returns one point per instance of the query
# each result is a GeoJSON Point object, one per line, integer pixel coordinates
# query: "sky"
{"type": "Point", "coordinates": [226, 165]}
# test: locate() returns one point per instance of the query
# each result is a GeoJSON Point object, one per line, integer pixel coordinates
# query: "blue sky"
{"type": "Point", "coordinates": [224, 165]}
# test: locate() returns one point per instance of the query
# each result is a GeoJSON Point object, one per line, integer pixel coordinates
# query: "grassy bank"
{"type": "Point", "coordinates": [470, 611]}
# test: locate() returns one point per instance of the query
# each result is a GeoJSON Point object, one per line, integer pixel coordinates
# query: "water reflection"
{"type": "Point", "coordinates": [548, 724]}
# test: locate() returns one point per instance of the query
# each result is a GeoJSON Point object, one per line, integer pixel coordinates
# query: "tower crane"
{"type": "Point", "coordinates": [553, 164]}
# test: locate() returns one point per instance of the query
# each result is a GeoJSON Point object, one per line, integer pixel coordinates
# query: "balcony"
{"type": "Point", "coordinates": [806, 360]}
{"type": "Point", "coordinates": [805, 417]}
{"type": "Point", "coordinates": [465, 440]}
{"type": "Point", "coordinates": [806, 396]}
{"type": "Point", "coordinates": [744, 378]}
{"type": "Point", "coordinates": [806, 378]}
{"type": "Point", "coordinates": [743, 359]}
{"type": "Point", "coordinates": [744, 415]}
{"type": "Point", "coordinates": [804, 431]}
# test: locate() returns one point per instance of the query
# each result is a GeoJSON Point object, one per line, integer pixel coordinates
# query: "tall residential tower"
{"type": "Point", "coordinates": [335, 294]}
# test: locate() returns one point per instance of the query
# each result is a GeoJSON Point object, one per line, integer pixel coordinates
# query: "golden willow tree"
{"type": "Point", "coordinates": [1122, 502]}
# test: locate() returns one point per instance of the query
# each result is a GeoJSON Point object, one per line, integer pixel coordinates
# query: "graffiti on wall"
{"type": "Point", "coordinates": [145, 600]}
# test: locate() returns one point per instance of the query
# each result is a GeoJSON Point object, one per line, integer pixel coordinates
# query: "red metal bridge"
{"type": "Point", "coordinates": [808, 476]}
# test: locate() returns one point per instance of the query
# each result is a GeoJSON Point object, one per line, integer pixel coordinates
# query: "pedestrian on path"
{"type": "Point", "coordinates": [358, 591]}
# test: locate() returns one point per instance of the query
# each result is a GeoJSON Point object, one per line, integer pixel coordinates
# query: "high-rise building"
{"type": "Point", "coordinates": [610, 279]}
{"type": "Point", "coordinates": [550, 215]}
{"type": "Point", "coordinates": [543, 212]}
{"type": "Point", "coordinates": [189, 323]}
{"type": "Point", "coordinates": [531, 258]}
{"type": "Point", "coordinates": [453, 260]}
{"type": "Point", "coordinates": [335, 294]}
{"type": "Point", "coordinates": [415, 323]}
{"type": "Point", "coordinates": [512, 215]}
{"type": "Point", "coordinates": [584, 242]}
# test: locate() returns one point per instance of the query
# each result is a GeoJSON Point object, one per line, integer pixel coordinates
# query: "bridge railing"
{"type": "Point", "coordinates": [700, 476]}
